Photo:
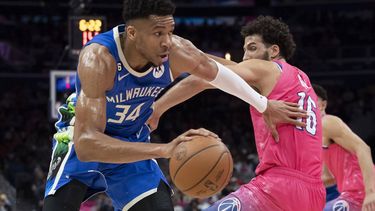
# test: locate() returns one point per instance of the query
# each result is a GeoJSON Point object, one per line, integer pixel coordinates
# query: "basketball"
{"type": "Point", "coordinates": [201, 167]}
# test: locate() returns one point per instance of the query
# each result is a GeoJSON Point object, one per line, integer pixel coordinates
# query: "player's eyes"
{"type": "Point", "coordinates": [158, 34]}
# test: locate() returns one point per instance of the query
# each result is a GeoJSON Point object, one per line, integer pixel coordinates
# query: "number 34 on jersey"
{"type": "Point", "coordinates": [122, 114]}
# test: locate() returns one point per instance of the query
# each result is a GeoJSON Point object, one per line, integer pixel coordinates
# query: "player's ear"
{"type": "Point", "coordinates": [131, 32]}
{"type": "Point", "coordinates": [274, 51]}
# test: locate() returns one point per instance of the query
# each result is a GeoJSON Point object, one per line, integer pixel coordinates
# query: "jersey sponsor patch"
{"type": "Point", "coordinates": [158, 71]}
{"type": "Point", "coordinates": [230, 204]}
{"type": "Point", "coordinates": [341, 205]}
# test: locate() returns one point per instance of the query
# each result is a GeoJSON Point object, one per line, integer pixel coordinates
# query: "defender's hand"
{"type": "Point", "coordinates": [369, 202]}
{"type": "Point", "coordinates": [187, 136]}
{"type": "Point", "coordinates": [282, 112]}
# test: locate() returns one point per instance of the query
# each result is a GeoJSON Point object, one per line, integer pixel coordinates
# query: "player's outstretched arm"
{"type": "Point", "coordinates": [221, 60]}
{"type": "Point", "coordinates": [335, 129]}
{"type": "Point", "coordinates": [96, 70]}
{"type": "Point", "coordinates": [185, 57]}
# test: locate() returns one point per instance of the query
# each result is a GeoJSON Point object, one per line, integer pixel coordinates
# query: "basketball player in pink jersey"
{"type": "Point", "coordinates": [349, 160]}
{"type": "Point", "coordinates": [289, 173]}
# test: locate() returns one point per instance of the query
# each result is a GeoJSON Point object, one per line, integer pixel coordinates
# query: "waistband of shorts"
{"type": "Point", "coordinates": [293, 173]}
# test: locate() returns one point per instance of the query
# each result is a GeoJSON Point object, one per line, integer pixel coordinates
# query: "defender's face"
{"type": "Point", "coordinates": [322, 104]}
{"type": "Point", "coordinates": [155, 38]}
{"type": "Point", "coordinates": [254, 48]}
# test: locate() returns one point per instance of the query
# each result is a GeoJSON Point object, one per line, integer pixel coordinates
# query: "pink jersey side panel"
{"type": "Point", "coordinates": [346, 170]}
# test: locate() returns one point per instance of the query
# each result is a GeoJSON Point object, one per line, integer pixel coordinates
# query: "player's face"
{"type": "Point", "coordinates": [322, 104]}
{"type": "Point", "coordinates": [254, 48]}
{"type": "Point", "coordinates": [155, 38]}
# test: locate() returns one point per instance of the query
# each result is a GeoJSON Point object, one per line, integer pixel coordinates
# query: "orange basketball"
{"type": "Point", "coordinates": [201, 167]}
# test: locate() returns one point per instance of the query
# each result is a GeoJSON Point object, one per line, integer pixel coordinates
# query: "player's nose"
{"type": "Point", "coordinates": [167, 42]}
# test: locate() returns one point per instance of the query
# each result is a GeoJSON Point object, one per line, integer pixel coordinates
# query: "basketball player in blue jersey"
{"type": "Point", "coordinates": [102, 144]}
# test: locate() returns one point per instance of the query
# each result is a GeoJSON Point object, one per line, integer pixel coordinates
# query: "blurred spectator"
{"type": "Point", "coordinates": [4, 203]}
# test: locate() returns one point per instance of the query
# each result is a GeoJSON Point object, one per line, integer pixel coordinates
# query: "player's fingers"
{"type": "Point", "coordinates": [368, 207]}
{"type": "Point", "coordinates": [185, 138]}
{"type": "Point", "coordinates": [295, 109]}
{"type": "Point", "coordinates": [365, 207]}
{"type": "Point", "coordinates": [292, 104]}
{"type": "Point", "coordinates": [297, 114]}
{"type": "Point", "coordinates": [372, 206]}
{"type": "Point", "coordinates": [201, 132]}
{"type": "Point", "coordinates": [208, 133]}
{"type": "Point", "coordinates": [274, 132]}
{"type": "Point", "coordinates": [296, 122]}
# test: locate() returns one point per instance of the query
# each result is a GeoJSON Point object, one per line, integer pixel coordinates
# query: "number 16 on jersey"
{"type": "Point", "coordinates": [307, 103]}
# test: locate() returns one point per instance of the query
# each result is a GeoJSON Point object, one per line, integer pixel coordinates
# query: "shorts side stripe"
{"type": "Point", "coordinates": [61, 169]}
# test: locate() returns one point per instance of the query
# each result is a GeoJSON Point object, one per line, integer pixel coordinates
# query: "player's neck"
{"type": "Point", "coordinates": [133, 57]}
{"type": "Point", "coordinates": [279, 58]}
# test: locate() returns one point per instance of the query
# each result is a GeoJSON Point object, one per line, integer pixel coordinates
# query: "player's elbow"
{"type": "Point", "coordinates": [206, 68]}
{"type": "Point", "coordinates": [365, 148]}
{"type": "Point", "coordinates": [362, 148]}
{"type": "Point", "coordinates": [81, 147]}
{"type": "Point", "coordinates": [199, 83]}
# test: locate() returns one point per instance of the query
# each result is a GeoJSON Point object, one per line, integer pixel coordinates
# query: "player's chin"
{"type": "Point", "coordinates": [158, 61]}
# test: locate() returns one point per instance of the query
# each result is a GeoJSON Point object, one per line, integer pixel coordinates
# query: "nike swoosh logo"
{"type": "Point", "coordinates": [122, 77]}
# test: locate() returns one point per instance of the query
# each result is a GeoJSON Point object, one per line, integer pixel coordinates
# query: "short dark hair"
{"type": "Point", "coordinates": [134, 9]}
{"type": "Point", "coordinates": [320, 91]}
{"type": "Point", "coordinates": [274, 32]}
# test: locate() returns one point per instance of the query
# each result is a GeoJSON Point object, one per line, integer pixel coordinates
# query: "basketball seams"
{"type": "Point", "coordinates": [187, 159]}
{"type": "Point", "coordinates": [229, 174]}
{"type": "Point", "coordinates": [208, 172]}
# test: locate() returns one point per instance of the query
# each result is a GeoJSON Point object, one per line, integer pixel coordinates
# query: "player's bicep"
{"type": "Point", "coordinates": [252, 71]}
{"type": "Point", "coordinates": [96, 69]}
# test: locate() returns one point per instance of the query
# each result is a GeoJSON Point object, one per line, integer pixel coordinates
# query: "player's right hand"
{"type": "Point", "coordinates": [283, 112]}
{"type": "Point", "coordinates": [187, 136]}
{"type": "Point", "coordinates": [153, 121]}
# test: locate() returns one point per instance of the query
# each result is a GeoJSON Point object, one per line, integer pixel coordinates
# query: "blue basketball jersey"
{"type": "Point", "coordinates": [129, 105]}
{"type": "Point", "coordinates": [130, 102]}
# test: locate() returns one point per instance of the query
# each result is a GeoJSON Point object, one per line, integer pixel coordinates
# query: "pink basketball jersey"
{"type": "Point", "coordinates": [298, 148]}
{"type": "Point", "coordinates": [345, 168]}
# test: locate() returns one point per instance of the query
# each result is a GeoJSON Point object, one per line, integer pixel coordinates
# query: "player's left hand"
{"type": "Point", "coordinates": [153, 121]}
{"type": "Point", "coordinates": [282, 112]}
{"type": "Point", "coordinates": [369, 202]}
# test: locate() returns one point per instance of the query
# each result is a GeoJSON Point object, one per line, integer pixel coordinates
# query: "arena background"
{"type": "Point", "coordinates": [335, 47]}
